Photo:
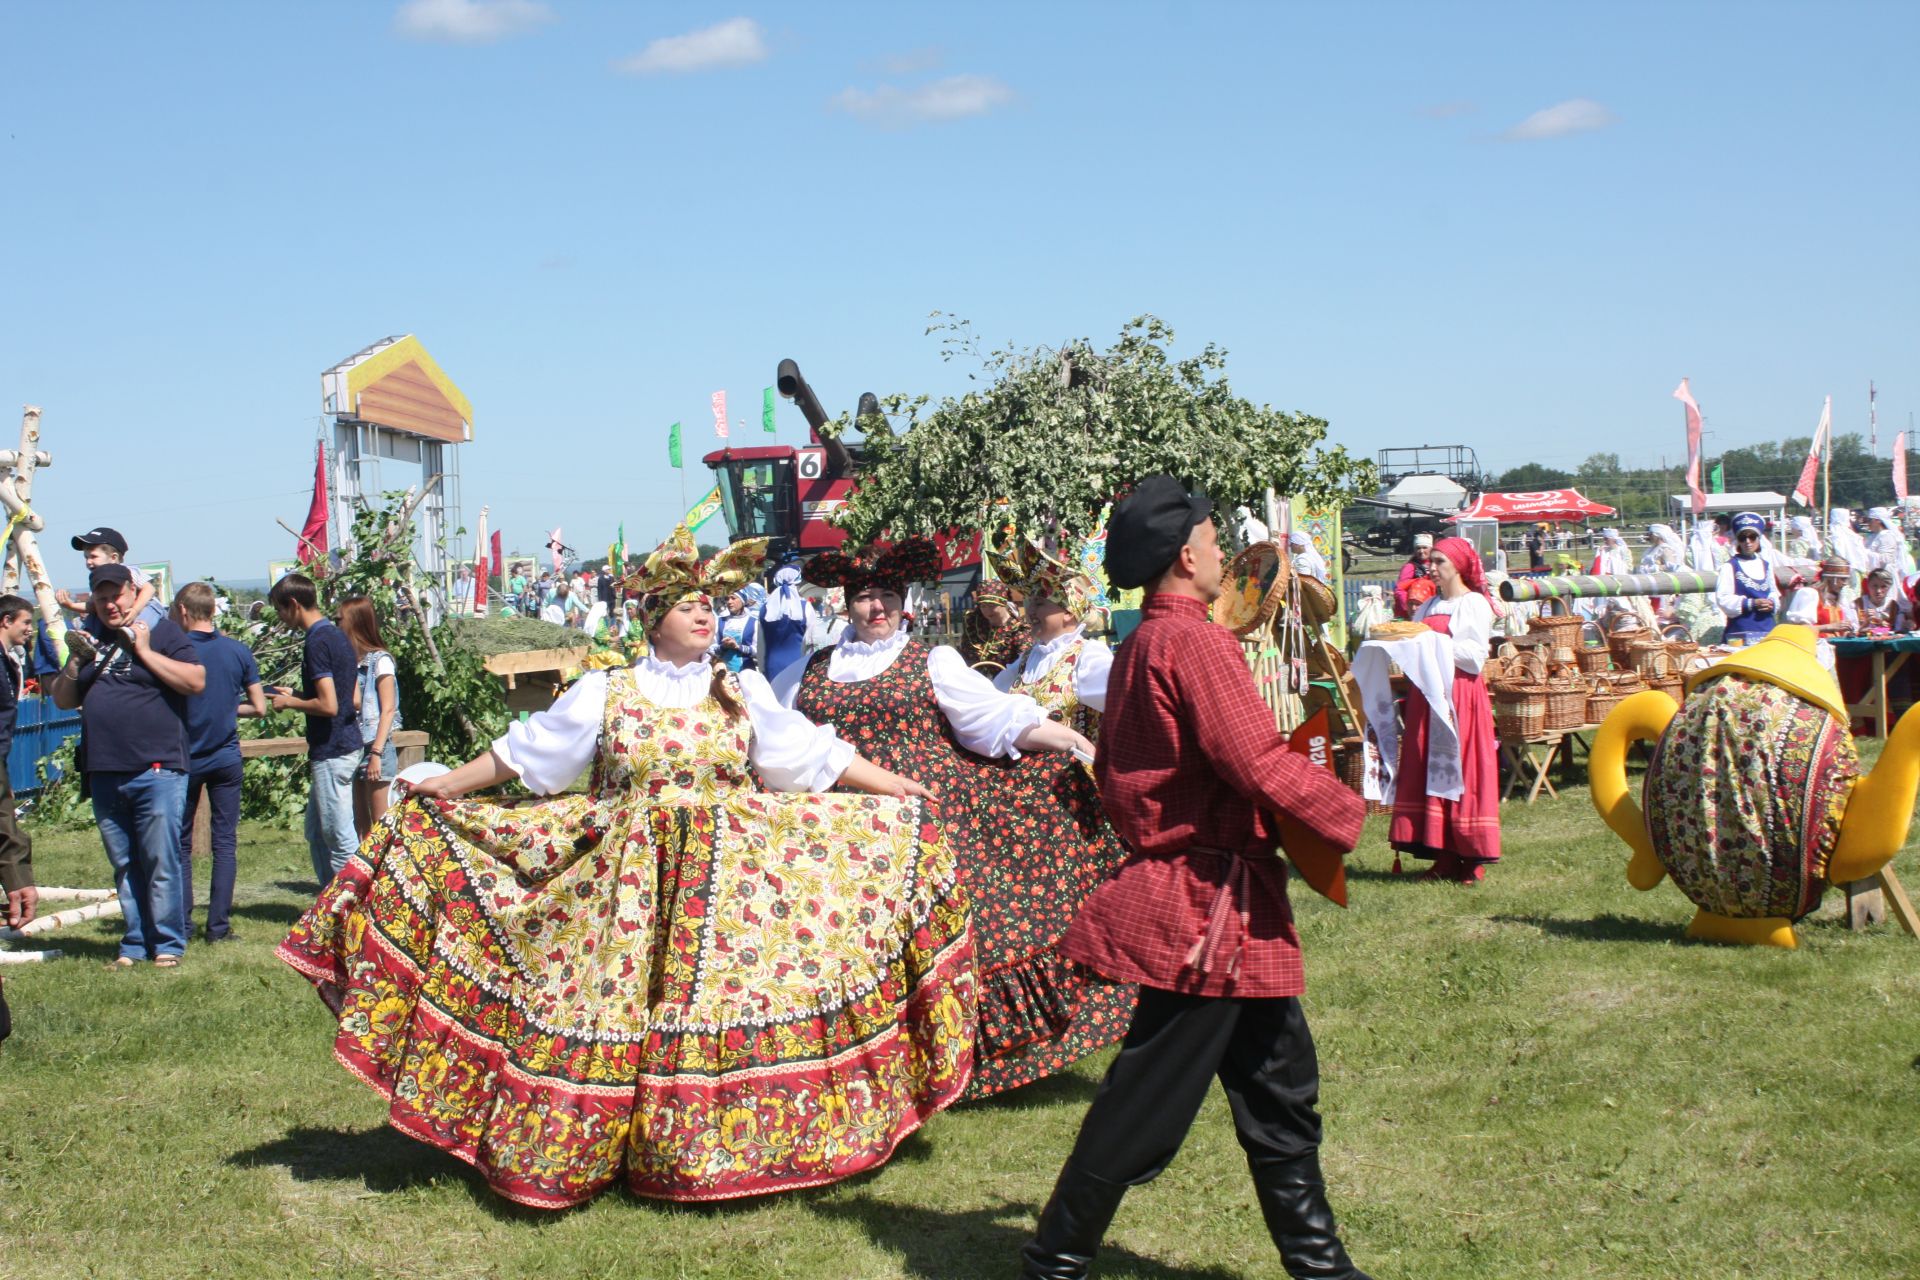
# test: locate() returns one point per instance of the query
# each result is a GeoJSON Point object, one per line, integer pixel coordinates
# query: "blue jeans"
{"type": "Point", "coordinates": [331, 838]}
{"type": "Point", "coordinates": [221, 786]}
{"type": "Point", "coordinates": [139, 819]}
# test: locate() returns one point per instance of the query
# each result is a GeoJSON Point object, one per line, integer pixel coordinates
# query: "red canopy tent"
{"type": "Point", "coordinates": [1549, 504]}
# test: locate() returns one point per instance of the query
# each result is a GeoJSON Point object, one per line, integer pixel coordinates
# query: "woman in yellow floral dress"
{"type": "Point", "coordinates": [674, 976]}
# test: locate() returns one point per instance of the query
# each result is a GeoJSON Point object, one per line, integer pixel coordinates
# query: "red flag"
{"type": "Point", "coordinates": [499, 561]}
{"type": "Point", "coordinates": [480, 586]}
{"type": "Point", "coordinates": [1900, 466]}
{"type": "Point", "coordinates": [312, 547]}
{"type": "Point", "coordinates": [1685, 397]}
{"type": "Point", "coordinates": [1803, 488]}
{"type": "Point", "coordinates": [1319, 863]}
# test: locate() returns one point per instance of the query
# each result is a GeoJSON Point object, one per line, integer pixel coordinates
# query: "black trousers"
{"type": "Point", "coordinates": [1260, 1049]}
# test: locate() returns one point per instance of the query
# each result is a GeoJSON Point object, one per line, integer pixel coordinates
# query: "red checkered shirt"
{"type": "Point", "coordinates": [1192, 771]}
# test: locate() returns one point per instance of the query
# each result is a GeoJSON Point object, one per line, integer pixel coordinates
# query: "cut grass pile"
{"type": "Point", "coordinates": [1539, 1077]}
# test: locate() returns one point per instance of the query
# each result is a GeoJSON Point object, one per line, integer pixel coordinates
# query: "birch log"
{"type": "Point", "coordinates": [60, 920]}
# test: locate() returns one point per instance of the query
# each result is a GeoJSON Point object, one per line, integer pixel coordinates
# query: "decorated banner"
{"type": "Point", "coordinates": [1803, 488]}
{"type": "Point", "coordinates": [704, 510]}
{"type": "Point", "coordinates": [766, 409]}
{"type": "Point", "coordinates": [1323, 530]}
{"type": "Point", "coordinates": [1685, 397]}
{"type": "Point", "coordinates": [673, 445]}
{"type": "Point", "coordinates": [720, 414]}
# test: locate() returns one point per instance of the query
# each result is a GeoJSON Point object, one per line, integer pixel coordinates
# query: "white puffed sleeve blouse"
{"type": "Point", "coordinates": [987, 721]}
{"type": "Point", "coordinates": [553, 747]}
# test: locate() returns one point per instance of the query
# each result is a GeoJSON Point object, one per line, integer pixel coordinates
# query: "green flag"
{"type": "Point", "coordinates": [766, 408]}
{"type": "Point", "coordinates": [618, 554]}
{"type": "Point", "coordinates": [673, 445]}
{"type": "Point", "coordinates": [1717, 478]}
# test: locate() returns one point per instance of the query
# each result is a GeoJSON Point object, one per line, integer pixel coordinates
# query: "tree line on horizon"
{"type": "Point", "coordinates": [1860, 480]}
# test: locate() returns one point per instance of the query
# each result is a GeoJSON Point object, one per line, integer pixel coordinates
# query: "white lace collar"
{"type": "Point", "coordinates": [1041, 657]}
{"type": "Point", "coordinates": [854, 660]}
{"type": "Point", "coordinates": [699, 669]}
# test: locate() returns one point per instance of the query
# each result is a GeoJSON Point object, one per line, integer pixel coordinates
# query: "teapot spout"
{"type": "Point", "coordinates": [1880, 808]}
{"type": "Point", "coordinates": [1642, 717]}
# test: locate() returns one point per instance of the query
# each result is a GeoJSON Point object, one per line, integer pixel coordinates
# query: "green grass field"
{"type": "Point", "coordinates": [1539, 1077]}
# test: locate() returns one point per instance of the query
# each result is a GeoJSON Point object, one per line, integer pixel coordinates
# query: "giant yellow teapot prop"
{"type": "Point", "coordinates": [1753, 802]}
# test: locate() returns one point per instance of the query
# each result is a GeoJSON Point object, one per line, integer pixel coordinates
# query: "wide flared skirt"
{"type": "Point", "coordinates": [1468, 828]}
{"type": "Point", "coordinates": [709, 1001]}
{"type": "Point", "coordinates": [1033, 847]}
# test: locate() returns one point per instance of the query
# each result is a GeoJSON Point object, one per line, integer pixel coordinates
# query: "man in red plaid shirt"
{"type": "Point", "coordinates": [1201, 785]}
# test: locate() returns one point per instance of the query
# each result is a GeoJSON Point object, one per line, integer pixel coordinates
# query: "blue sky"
{"type": "Point", "coordinates": [1514, 227]}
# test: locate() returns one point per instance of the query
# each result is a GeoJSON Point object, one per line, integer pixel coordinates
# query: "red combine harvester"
{"type": "Point", "coordinates": [790, 495]}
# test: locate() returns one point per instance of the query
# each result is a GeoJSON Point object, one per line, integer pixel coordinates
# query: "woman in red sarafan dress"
{"type": "Point", "coordinates": [674, 977]}
{"type": "Point", "coordinates": [1461, 836]}
{"type": "Point", "coordinates": [1031, 841]}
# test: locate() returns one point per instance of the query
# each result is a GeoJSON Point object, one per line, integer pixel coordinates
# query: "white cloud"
{"type": "Point", "coordinates": [951, 98]}
{"type": "Point", "coordinates": [1575, 115]}
{"type": "Point", "coordinates": [469, 21]}
{"type": "Point", "coordinates": [737, 42]}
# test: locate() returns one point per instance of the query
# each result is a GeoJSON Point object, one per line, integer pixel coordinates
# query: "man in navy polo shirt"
{"type": "Point", "coordinates": [135, 688]}
{"type": "Point", "coordinates": [213, 745]}
{"type": "Point", "coordinates": [328, 671]}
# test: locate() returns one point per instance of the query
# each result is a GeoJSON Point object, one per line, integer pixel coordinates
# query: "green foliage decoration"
{"type": "Point", "coordinates": [1052, 435]}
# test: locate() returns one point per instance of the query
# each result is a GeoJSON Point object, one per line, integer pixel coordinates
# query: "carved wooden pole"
{"type": "Point", "coordinates": [16, 493]}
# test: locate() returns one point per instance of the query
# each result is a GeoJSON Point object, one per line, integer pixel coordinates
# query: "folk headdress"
{"type": "Point", "coordinates": [1039, 573]}
{"type": "Point", "coordinates": [890, 568]}
{"type": "Point", "coordinates": [674, 572]}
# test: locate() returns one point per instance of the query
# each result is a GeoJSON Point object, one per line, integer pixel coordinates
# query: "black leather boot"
{"type": "Point", "coordinates": [1293, 1199]}
{"type": "Point", "coordinates": [1071, 1226]}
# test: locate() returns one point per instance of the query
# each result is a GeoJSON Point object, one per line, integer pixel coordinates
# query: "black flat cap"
{"type": "Point", "coordinates": [108, 573]}
{"type": "Point", "coordinates": [102, 536]}
{"type": "Point", "coordinates": [1148, 527]}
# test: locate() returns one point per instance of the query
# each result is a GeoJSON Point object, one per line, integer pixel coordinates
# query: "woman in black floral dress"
{"type": "Point", "coordinates": [1028, 833]}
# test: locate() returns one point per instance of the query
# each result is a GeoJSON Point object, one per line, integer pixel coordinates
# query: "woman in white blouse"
{"type": "Point", "coordinates": [1031, 843]}
{"type": "Point", "coordinates": [671, 954]}
{"type": "Point", "coordinates": [1451, 814]}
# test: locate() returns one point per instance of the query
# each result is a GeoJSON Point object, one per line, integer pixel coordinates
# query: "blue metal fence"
{"type": "Point", "coordinates": [38, 732]}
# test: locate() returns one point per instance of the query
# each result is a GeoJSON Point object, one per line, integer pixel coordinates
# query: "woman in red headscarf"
{"type": "Point", "coordinates": [1461, 835]}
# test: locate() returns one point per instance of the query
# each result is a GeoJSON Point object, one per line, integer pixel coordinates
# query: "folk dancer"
{"type": "Point", "coordinates": [1028, 855]}
{"type": "Point", "coordinates": [672, 977]}
{"type": "Point", "coordinates": [1063, 669]}
{"type": "Point", "coordinates": [1203, 788]}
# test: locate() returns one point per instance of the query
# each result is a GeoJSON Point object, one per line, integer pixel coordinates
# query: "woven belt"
{"type": "Point", "coordinates": [1229, 900]}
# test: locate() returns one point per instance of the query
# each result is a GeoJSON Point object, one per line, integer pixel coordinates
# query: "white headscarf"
{"type": "Point", "coordinates": [1883, 514]}
{"type": "Point", "coordinates": [785, 600]}
{"type": "Point", "coordinates": [1847, 545]}
{"type": "Point", "coordinates": [1614, 557]}
{"type": "Point", "coordinates": [1807, 532]}
{"type": "Point", "coordinates": [1666, 553]}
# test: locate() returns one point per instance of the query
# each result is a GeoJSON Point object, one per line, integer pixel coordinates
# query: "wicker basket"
{"type": "Point", "coordinates": [1527, 668]}
{"type": "Point", "coordinates": [1350, 763]}
{"type": "Point", "coordinates": [1558, 630]}
{"type": "Point", "coordinates": [1602, 697]}
{"type": "Point", "coordinates": [1673, 686]}
{"type": "Point", "coordinates": [1595, 659]}
{"type": "Point", "coordinates": [1649, 658]}
{"type": "Point", "coordinates": [1520, 710]}
{"type": "Point", "coordinates": [1566, 706]}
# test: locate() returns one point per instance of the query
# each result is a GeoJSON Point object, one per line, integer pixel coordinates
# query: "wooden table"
{"type": "Point", "coordinates": [410, 744]}
{"type": "Point", "coordinates": [1529, 762]}
{"type": "Point", "coordinates": [533, 676]}
{"type": "Point", "coordinates": [1888, 655]}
